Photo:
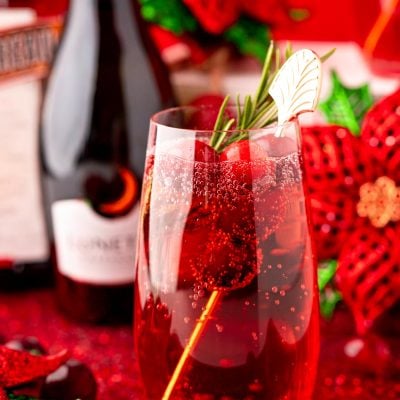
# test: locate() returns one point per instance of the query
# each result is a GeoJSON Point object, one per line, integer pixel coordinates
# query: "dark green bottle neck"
{"type": "Point", "coordinates": [107, 141]}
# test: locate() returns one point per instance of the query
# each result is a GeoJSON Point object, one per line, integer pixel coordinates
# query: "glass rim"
{"type": "Point", "coordinates": [153, 120]}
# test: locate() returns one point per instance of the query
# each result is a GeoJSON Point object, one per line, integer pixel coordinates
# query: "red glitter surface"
{"type": "Point", "coordinates": [373, 376]}
{"type": "Point", "coordinates": [109, 352]}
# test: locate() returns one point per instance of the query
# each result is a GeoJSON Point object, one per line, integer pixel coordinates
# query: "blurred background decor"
{"type": "Point", "coordinates": [216, 46]}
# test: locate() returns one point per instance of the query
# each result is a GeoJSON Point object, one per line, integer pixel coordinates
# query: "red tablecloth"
{"type": "Point", "coordinates": [109, 351]}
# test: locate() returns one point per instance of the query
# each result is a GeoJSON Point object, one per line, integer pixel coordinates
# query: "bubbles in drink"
{"type": "Point", "coordinates": [237, 228]}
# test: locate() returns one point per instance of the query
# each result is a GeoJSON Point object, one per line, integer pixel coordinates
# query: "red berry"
{"type": "Point", "coordinates": [250, 161]}
{"type": "Point", "coordinates": [244, 150]}
{"type": "Point", "coordinates": [270, 208]}
{"type": "Point", "coordinates": [227, 262]}
{"type": "Point", "coordinates": [199, 223]}
{"type": "Point", "coordinates": [205, 153]}
{"type": "Point", "coordinates": [278, 146]}
{"type": "Point", "coordinates": [205, 113]}
{"type": "Point", "coordinates": [71, 381]}
{"type": "Point", "coordinates": [216, 258]}
{"type": "Point", "coordinates": [208, 100]}
{"type": "Point", "coordinates": [192, 150]}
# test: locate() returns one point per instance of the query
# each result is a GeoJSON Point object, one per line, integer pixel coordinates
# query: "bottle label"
{"type": "Point", "coordinates": [22, 225]}
{"type": "Point", "coordinates": [91, 248]}
{"type": "Point", "coordinates": [28, 49]}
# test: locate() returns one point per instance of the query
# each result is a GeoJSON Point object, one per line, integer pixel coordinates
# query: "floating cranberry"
{"type": "Point", "coordinates": [71, 381]}
{"type": "Point", "coordinates": [278, 146]}
{"type": "Point", "coordinates": [244, 150]}
{"type": "Point", "coordinates": [205, 153]}
{"type": "Point", "coordinates": [227, 263]}
{"type": "Point", "coordinates": [206, 112]}
{"type": "Point", "coordinates": [191, 149]}
{"type": "Point", "coordinates": [248, 161]}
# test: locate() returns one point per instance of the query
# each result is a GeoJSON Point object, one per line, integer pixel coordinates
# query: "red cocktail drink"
{"type": "Point", "coordinates": [226, 300]}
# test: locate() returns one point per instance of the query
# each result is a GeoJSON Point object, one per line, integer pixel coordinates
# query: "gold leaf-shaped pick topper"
{"type": "Point", "coordinates": [296, 86]}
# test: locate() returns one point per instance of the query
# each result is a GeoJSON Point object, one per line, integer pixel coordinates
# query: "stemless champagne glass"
{"type": "Point", "coordinates": [226, 302]}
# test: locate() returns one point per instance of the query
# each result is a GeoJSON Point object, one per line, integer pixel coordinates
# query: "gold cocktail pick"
{"type": "Point", "coordinates": [297, 85]}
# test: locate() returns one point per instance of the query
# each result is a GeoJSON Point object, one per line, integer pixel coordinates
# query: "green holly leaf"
{"type": "Point", "coordinates": [329, 295]}
{"type": "Point", "coordinates": [328, 301]}
{"type": "Point", "coordinates": [172, 15]}
{"type": "Point", "coordinates": [346, 106]}
{"type": "Point", "coordinates": [326, 272]}
{"type": "Point", "coordinates": [250, 37]}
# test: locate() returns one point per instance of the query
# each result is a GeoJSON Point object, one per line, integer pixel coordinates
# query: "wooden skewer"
{"type": "Point", "coordinates": [193, 340]}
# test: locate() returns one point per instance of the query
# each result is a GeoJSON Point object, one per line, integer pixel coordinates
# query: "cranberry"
{"type": "Point", "coordinates": [249, 161]}
{"type": "Point", "coordinates": [71, 381]}
{"type": "Point", "coordinates": [208, 100]}
{"type": "Point", "coordinates": [227, 263]}
{"type": "Point", "coordinates": [205, 153]}
{"type": "Point", "coordinates": [243, 150]}
{"type": "Point", "coordinates": [199, 223]}
{"type": "Point", "coordinates": [190, 149]}
{"type": "Point", "coordinates": [207, 112]}
{"type": "Point", "coordinates": [278, 146]}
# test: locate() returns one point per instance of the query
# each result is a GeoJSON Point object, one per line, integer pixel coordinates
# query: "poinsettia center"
{"type": "Point", "coordinates": [380, 201]}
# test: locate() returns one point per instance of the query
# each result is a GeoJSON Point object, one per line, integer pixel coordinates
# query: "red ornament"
{"type": "Point", "coordinates": [19, 367]}
{"type": "Point", "coordinates": [355, 204]}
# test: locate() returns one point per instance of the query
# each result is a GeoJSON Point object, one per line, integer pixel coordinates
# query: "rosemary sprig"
{"type": "Point", "coordinates": [256, 111]}
{"type": "Point", "coordinates": [222, 126]}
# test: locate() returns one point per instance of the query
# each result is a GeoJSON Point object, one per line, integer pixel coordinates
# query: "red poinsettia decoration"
{"type": "Point", "coordinates": [20, 367]}
{"type": "Point", "coordinates": [354, 185]}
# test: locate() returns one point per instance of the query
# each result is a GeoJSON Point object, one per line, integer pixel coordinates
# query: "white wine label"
{"type": "Point", "coordinates": [26, 48]}
{"type": "Point", "coordinates": [91, 248]}
{"type": "Point", "coordinates": [22, 226]}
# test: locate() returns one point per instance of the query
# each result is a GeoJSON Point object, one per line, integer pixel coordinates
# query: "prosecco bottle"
{"type": "Point", "coordinates": [26, 50]}
{"type": "Point", "coordinates": [100, 95]}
